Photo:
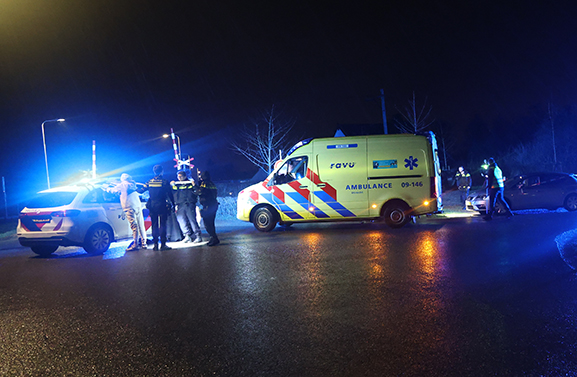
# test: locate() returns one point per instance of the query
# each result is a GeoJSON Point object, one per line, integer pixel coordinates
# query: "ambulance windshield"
{"type": "Point", "coordinates": [291, 170]}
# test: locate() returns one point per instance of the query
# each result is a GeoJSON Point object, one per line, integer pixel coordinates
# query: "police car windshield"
{"type": "Point", "coordinates": [52, 199]}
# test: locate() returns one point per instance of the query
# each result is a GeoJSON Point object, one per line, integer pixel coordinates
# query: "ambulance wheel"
{"type": "Point", "coordinates": [264, 220]}
{"type": "Point", "coordinates": [396, 214]}
{"type": "Point", "coordinates": [44, 251]}
{"type": "Point", "coordinates": [98, 239]}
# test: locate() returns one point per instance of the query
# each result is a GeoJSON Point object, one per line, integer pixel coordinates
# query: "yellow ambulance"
{"type": "Point", "coordinates": [378, 177]}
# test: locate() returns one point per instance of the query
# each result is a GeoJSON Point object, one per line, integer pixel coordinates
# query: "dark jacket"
{"type": "Point", "coordinates": [463, 180]}
{"type": "Point", "coordinates": [160, 194]}
{"type": "Point", "coordinates": [184, 192]}
{"type": "Point", "coordinates": [207, 192]}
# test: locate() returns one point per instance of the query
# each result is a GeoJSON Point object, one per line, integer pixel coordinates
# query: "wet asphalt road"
{"type": "Point", "coordinates": [436, 298]}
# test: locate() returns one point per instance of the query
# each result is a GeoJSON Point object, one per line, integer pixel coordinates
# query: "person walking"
{"type": "Point", "coordinates": [464, 182]}
{"type": "Point", "coordinates": [207, 192]}
{"type": "Point", "coordinates": [496, 188]}
{"type": "Point", "coordinates": [185, 206]}
{"type": "Point", "coordinates": [130, 202]}
{"type": "Point", "coordinates": [160, 203]}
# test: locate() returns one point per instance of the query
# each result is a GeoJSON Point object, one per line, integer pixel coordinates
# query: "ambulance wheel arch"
{"type": "Point", "coordinates": [98, 238]}
{"type": "Point", "coordinates": [264, 217]}
{"type": "Point", "coordinates": [396, 213]}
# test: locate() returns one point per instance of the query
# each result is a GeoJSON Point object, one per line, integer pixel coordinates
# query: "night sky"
{"type": "Point", "coordinates": [124, 72]}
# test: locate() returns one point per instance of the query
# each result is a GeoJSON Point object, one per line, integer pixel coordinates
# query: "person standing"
{"type": "Point", "coordinates": [159, 204]}
{"type": "Point", "coordinates": [130, 202]}
{"type": "Point", "coordinates": [464, 182]}
{"type": "Point", "coordinates": [185, 205]}
{"type": "Point", "coordinates": [207, 192]}
{"type": "Point", "coordinates": [496, 188]}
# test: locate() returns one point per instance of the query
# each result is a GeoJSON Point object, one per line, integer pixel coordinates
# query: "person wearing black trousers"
{"type": "Point", "coordinates": [206, 191]}
{"type": "Point", "coordinates": [159, 204]}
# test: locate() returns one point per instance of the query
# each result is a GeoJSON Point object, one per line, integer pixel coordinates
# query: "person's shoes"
{"type": "Point", "coordinates": [488, 218]}
{"type": "Point", "coordinates": [510, 215]}
{"type": "Point", "coordinates": [165, 247]}
{"type": "Point", "coordinates": [197, 240]}
{"type": "Point", "coordinates": [187, 239]}
{"type": "Point", "coordinates": [213, 241]}
{"type": "Point", "coordinates": [134, 246]}
{"type": "Point", "coordinates": [155, 248]}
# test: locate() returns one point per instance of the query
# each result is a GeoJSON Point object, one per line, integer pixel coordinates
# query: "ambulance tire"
{"type": "Point", "coordinates": [396, 214]}
{"type": "Point", "coordinates": [264, 219]}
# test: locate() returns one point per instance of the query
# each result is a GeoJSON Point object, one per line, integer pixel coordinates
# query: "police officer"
{"type": "Point", "coordinates": [464, 183]}
{"type": "Point", "coordinates": [159, 204]}
{"type": "Point", "coordinates": [496, 187]}
{"type": "Point", "coordinates": [206, 191]}
{"type": "Point", "coordinates": [185, 201]}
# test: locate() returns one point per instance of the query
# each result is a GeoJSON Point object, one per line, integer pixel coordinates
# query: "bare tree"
{"type": "Point", "coordinates": [264, 144]}
{"type": "Point", "coordinates": [414, 120]}
{"type": "Point", "coordinates": [446, 143]}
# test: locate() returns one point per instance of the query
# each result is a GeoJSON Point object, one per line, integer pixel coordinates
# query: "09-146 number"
{"type": "Point", "coordinates": [411, 184]}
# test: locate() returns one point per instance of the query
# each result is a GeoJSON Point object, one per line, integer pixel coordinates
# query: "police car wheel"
{"type": "Point", "coordinates": [396, 214]}
{"type": "Point", "coordinates": [44, 251]}
{"type": "Point", "coordinates": [98, 239]}
{"type": "Point", "coordinates": [571, 202]}
{"type": "Point", "coordinates": [264, 219]}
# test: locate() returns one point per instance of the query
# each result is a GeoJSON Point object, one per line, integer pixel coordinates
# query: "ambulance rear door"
{"type": "Point", "coordinates": [339, 178]}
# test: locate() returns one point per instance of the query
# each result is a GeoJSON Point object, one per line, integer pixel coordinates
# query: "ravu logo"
{"type": "Point", "coordinates": [341, 165]}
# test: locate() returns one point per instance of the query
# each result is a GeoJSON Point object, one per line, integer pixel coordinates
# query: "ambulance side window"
{"type": "Point", "coordinates": [293, 169]}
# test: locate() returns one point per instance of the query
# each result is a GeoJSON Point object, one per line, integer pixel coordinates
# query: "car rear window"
{"type": "Point", "coordinates": [52, 199]}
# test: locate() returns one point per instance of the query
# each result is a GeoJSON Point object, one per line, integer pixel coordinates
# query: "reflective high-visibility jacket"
{"type": "Point", "coordinates": [463, 180]}
{"type": "Point", "coordinates": [495, 177]}
{"type": "Point", "coordinates": [184, 192]}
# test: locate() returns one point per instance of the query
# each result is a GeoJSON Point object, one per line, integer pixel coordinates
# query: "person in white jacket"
{"type": "Point", "coordinates": [130, 201]}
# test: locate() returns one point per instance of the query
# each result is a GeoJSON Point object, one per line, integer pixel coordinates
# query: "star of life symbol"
{"type": "Point", "coordinates": [411, 162]}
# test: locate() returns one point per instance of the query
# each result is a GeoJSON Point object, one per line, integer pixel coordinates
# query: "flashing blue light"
{"type": "Point", "coordinates": [298, 145]}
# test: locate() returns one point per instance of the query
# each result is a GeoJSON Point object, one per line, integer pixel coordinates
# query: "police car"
{"type": "Point", "coordinates": [532, 191]}
{"type": "Point", "coordinates": [77, 215]}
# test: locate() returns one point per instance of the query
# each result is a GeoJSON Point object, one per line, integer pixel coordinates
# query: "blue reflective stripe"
{"type": "Point", "coordinates": [293, 215]}
{"type": "Point", "coordinates": [297, 197]}
{"type": "Point", "coordinates": [318, 213]}
{"type": "Point", "coordinates": [341, 209]}
{"type": "Point", "coordinates": [268, 197]}
{"type": "Point", "coordinates": [338, 207]}
{"type": "Point", "coordinates": [324, 196]}
{"type": "Point", "coordinates": [339, 146]}
{"type": "Point", "coordinates": [281, 206]}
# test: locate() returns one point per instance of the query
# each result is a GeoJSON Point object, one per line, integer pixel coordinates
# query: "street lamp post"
{"type": "Point", "coordinates": [44, 142]}
{"type": "Point", "coordinates": [178, 140]}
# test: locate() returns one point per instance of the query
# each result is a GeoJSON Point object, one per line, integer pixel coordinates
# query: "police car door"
{"type": "Point", "coordinates": [115, 215]}
{"type": "Point", "coordinates": [290, 190]}
{"type": "Point", "coordinates": [340, 187]}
